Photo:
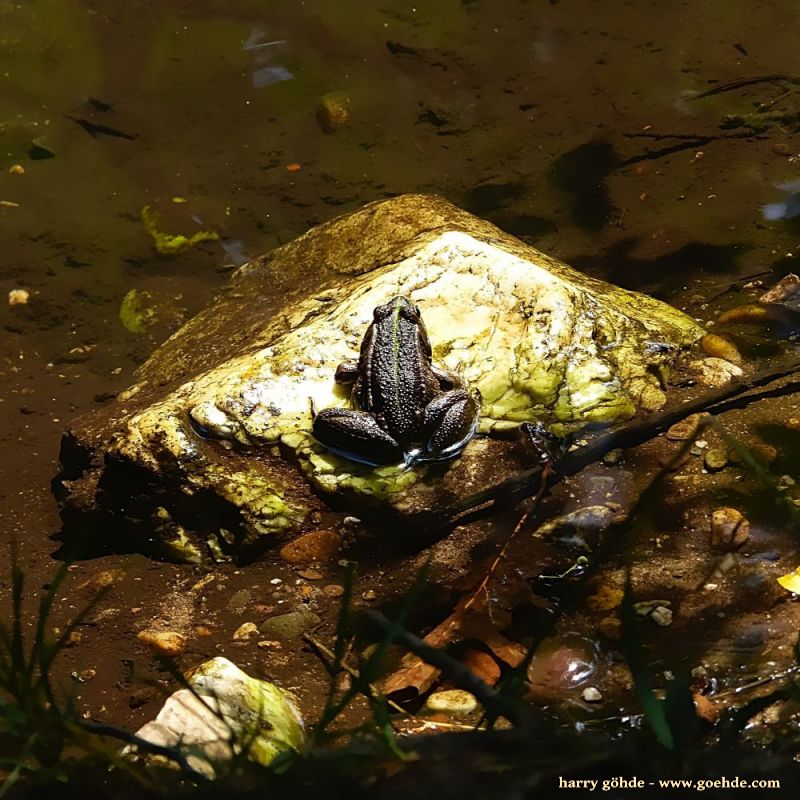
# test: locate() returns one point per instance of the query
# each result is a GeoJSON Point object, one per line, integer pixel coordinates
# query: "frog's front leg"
{"type": "Point", "coordinates": [450, 421]}
{"type": "Point", "coordinates": [357, 436]}
{"type": "Point", "coordinates": [346, 372]}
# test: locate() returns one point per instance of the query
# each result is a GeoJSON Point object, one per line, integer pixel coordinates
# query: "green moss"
{"type": "Point", "coordinates": [137, 311]}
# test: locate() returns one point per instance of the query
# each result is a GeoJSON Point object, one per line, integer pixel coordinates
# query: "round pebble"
{"type": "Point", "coordinates": [245, 631]}
{"type": "Point", "coordinates": [452, 701]}
{"type": "Point", "coordinates": [322, 545]}
{"type": "Point", "coordinates": [729, 528]}
{"type": "Point", "coordinates": [591, 695]}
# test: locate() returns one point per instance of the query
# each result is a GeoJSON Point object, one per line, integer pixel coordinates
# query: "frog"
{"type": "Point", "coordinates": [404, 409]}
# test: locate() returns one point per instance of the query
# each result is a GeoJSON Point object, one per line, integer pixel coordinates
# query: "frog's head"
{"type": "Point", "coordinates": [400, 308]}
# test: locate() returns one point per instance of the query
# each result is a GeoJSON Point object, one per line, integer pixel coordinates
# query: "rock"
{"type": "Point", "coordinates": [720, 347]}
{"type": "Point", "coordinates": [310, 574]}
{"type": "Point", "coordinates": [318, 546]}
{"type": "Point", "coordinates": [163, 643]}
{"type": "Point", "coordinates": [218, 423]}
{"type": "Point", "coordinates": [289, 627]}
{"type": "Point", "coordinates": [452, 701]}
{"type": "Point", "coordinates": [716, 458]}
{"type": "Point", "coordinates": [333, 590]}
{"type": "Point", "coordinates": [714, 372]}
{"type": "Point", "coordinates": [729, 529]}
{"type": "Point", "coordinates": [369, 595]}
{"type": "Point", "coordinates": [482, 665]}
{"type": "Point", "coordinates": [18, 297]}
{"type": "Point", "coordinates": [706, 709]}
{"type": "Point", "coordinates": [764, 453]}
{"type": "Point", "coordinates": [245, 631]}
{"type": "Point", "coordinates": [591, 695]}
{"type": "Point", "coordinates": [685, 429]}
{"type": "Point", "coordinates": [226, 712]}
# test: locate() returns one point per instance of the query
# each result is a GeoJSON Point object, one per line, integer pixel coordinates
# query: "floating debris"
{"type": "Point", "coordinates": [172, 243]}
{"type": "Point", "coordinates": [791, 582]}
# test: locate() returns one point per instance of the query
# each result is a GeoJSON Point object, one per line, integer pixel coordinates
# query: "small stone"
{"type": "Point", "coordinates": [163, 643]}
{"type": "Point", "coordinates": [333, 112]}
{"type": "Point", "coordinates": [716, 459]}
{"type": "Point", "coordinates": [18, 297]}
{"type": "Point", "coordinates": [786, 292]}
{"type": "Point", "coordinates": [245, 631]}
{"type": "Point", "coordinates": [793, 423]}
{"type": "Point", "coordinates": [706, 709]}
{"type": "Point", "coordinates": [718, 346]}
{"type": "Point", "coordinates": [369, 595]}
{"type": "Point", "coordinates": [685, 429]}
{"type": "Point", "coordinates": [269, 644]}
{"type": "Point", "coordinates": [289, 627]}
{"type": "Point", "coordinates": [333, 590]}
{"type": "Point", "coordinates": [786, 481]}
{"type": "Point", "coordinates": [83, 675]}
{"type": "Point", "coordinates": [605, 598]}
{"type": "Point", "coordinates": [16, 169]}
{"type": "Point", "coordinates": [661, 615]}
{"type": "Point", "coordinates": [482, 665]}
{"type": "Point", "coordinates": [452, 701]}
{"type": "Point", "coordinates": [202, 630]}
{"type": "Point", "coordinates": [239, 601]}
{"type": "Point", "coordinates": [322, 546]}
{"type": "Point", "coordinates": [591, 695]}
{"type": "Point", "coordinates": [610, 627]}
{"type": "Point", "coordinates": [714, 372]}
{"type": "Point", "coordinates": [729, 529]}
{"type": "Point", "coordinates": [310, 574]}
{"type": "Point", "coordinates": [612, 457]}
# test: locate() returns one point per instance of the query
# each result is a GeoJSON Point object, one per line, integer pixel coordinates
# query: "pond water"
{"type": "Point", "coordinates": [626, 138]}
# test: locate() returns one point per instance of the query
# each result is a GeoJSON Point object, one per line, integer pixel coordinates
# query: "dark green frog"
{"type": "Point", "coordinates": [405, 409]}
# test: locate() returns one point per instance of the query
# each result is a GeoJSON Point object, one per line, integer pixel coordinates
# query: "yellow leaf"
{"type": "Point", "coordinates": [791, 582]}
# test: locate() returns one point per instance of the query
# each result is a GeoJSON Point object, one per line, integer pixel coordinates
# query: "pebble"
{"type": "Point", "coordinates": [714, 372]}
{"type": "Point", "coordinates": [310, 574]}
{"type": "Point", "coordinates": [245, 631]}
{"type": "Point", "coordinates": [661, 615]}
{"type": "Point", "coordinates": [164, 643]}
{"type": "Point", "coordinates": [84, 675]}
{"type": "Point", "coordinates": [369, 595]}
{"type": "Point", "coordinates": [562, 662]}
{"type": "Point", "coordinates": [591, 695]}
{"type": "Point", "coordinates": [269, 644]}
{"type": "Point", "coordinates": [765, 453]}
{"type": "Point", "coordinates": [482, 665]}
{"type": "Point", "coordinates": [685, 429]}
{"type": "Point", "coordinates": [16, 169]}
{"type": "Point", "coordinates": [322, 545]}
{"type": "Point", "coordinates": [612, 457]}
{"type": "Point", "coordinates": [333, 590]}
{"type": "Point", "coordinates": [718, 346]}
{"type": "Point", "coordinates": [452, 701]}
{"type": "Point", "coordinates": [18, 297]}
{"type": "Point", "coordinates": [716, 459]}
{"type": "Point", "coordinates": [290, 626]}
{"type": "Point", "coordinates": [239, 601]}
{"type": "Point", "coordinates": [729, 528]}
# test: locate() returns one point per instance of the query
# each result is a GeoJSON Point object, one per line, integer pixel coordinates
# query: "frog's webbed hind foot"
{"type": "Point", "coordinates": [357, 436]}
{"type": "Point", "coordinates": [450, 421]}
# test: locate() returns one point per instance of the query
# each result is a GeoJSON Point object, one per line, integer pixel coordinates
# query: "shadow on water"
{"type": "Point", "coordinates": [665, 273]}
{"type": "Point", "coordinates": [493, 201]}
{"type": "Point", "coordinates": [581, 174]}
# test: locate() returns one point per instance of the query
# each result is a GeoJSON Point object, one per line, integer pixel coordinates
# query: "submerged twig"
{"type": "Point", "coordinates": [740, 83]}
{"type": "Point", "coordinates": [733, 395]}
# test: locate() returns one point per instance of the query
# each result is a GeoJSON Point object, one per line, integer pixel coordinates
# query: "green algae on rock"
{"type": "Point", "coordinates": [537, 339]}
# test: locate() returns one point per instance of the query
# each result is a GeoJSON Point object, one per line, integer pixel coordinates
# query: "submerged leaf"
{"type": "Point", "coordinates": [791, 582]}
{"type": "Point", "coordinates": [137, 311]}
{"type": "Point", "coordinates": [171, 243]}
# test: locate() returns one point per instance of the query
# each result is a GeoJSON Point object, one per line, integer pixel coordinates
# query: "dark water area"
{"type": "Point", "coordinates": [651, 144]}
